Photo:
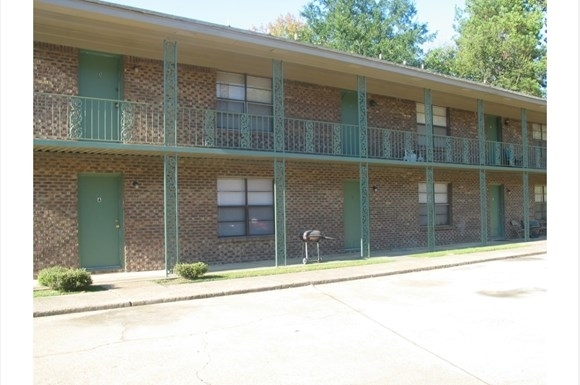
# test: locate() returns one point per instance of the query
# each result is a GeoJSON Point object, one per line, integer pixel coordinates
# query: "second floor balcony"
{"type": "Point", "coordinates": [60, 118]}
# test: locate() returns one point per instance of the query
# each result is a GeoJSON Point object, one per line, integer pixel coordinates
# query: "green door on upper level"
{"type": "Point", "coordinates": [493, 136]}
{"type": "Point", "coordinates": [100, 221]}
{"type": "Point", "coordinates": [100, 85]}
{"type": "Point", "coordinates": [349, 120]}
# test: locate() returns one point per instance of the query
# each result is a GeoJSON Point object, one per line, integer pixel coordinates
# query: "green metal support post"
{"type": "Point", "coordinates": [429, 170]}
{"type": "Point", "coordinates": [279, 163]}
{"type": "Point", "coordinates": [482, 174]}
{"type": "Point", "coordinates": [365, 249]}
{"type": "Point", "coordinates": [525, 176]}
{"type": "Point", "coordinates": [170, 193]}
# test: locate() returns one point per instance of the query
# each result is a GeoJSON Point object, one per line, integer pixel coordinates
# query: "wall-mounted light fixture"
{"type": "Point", "coordinates": [136, 69]}
{"type": "Point", "coordinates": [509, 192]}
{"type": "Point", "coordinates": [372, 103]}
{"type": "Point", "coordinates": [506, 122]}
{"type": "Point", "coordinates": [375, 188]}
{"type": "Point", "coordinates": [136, 184]}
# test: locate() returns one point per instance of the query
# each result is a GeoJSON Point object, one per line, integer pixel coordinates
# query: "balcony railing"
{"type": "Point", "coordinates": [73, 118]}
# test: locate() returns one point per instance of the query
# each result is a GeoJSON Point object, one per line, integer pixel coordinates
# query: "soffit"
{"type": "Point", "coordinates": [106, 27]}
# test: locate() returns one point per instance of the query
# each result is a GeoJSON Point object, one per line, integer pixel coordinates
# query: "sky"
{"type": "Point", "coordinates": [438, 14]}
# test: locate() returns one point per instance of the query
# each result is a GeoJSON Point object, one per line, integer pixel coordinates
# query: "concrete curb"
{"type": "Point", "coordinates": [298, 282]}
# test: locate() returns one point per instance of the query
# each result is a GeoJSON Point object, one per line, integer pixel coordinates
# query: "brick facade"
{"type": "Point", "coordinates": [314, 190]}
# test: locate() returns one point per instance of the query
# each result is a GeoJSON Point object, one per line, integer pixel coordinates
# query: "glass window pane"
{"type": "Point", "coordinates": [440, 187]}
{"type": "Point", "coordinates": [440, 121]}
{"type": "Point", "coordinates": [231, 229]}
{"type": "Point", "coordinates": [259, 95]}
{"type": "Point", "coordinates": [231, 214]}
{"type": "Point", "coordinates": [260, 198]}
{"type": "Point", "coordinates": [261, 227]}
{"type": "Point", "coordinates": [260, 185]}
{"type": "Point", "coordinates": [261, 213]}
{"type": "Point", "coordinates": [231, 106]}
{"type": "Point", "coordinates": [260, 109]}
{"type": "Point", "coordinates": [231, 78]}
{"type": "Point", "coordinates": [439, 111]}
{"type": "Point", "coordinates": [231, 184]}
{"type": "Point", "coordinates": [441, 209]}
{"type": "Point", "coordinates": [231, 198]}
{"type": "Point", "coordinates": [229, 91]}
{"type": "Point", "coordinates": [420, 118]}
{"type": "Point", "coordinates": [440, 198]}
{"type": "Point", "coordinates": [259, 82]}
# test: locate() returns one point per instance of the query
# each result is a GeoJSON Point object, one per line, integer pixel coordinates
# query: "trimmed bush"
{"type": "Point", "coordinates": [65, 279]}
{"type": "Point", "coordinates": [190, 270]}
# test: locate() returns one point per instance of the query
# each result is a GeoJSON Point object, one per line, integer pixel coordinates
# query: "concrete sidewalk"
{"type": "Point", "coordinates": [140, 288]}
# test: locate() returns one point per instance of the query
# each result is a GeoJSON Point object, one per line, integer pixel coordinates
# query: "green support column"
{"type": "Point", "coordinates": [525, 148]}
{"type": "Point", "coordinates": [171, 213]}
{"type": "Point", "coordinates": [362, 116]}
{"type": "Point", "coordinates": [280, 210]}
{"type": "Point", "coordinates": [279, 163]}
{"type": "Point", "coordinates": [430, 209]}
{"type": "Point", "coordinates": [525, 177]}
{"type": "Point", "coordinates": [482, 174]}
{"type": "Point", "coordinates": [278, 104]}
{"type": "Point", "coordinates": [428, 125]}
{"type": "Point", "coordinates": [481, 131]}
{"type": "Point", "coordinates": [365, 247]}
{"type": "Point", "coordinates": [430, 183]}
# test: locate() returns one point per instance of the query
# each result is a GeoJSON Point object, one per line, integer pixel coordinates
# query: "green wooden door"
{"type": "Point", "coordinates": [100, 83]}
{"type": "Point", "coordinates": [100, 220]}
{"type": "Point", "coordinates": [493, 136]}
{"type": "Point", "coordinates": [349, 119]}
{"type": "Point", "coordinates": [496, 215]}
{"type": "Point", "coordinates": [352, 217]}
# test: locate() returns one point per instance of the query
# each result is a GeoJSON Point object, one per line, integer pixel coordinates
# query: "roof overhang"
{"type": "Point", "coordinates": [107, 27]}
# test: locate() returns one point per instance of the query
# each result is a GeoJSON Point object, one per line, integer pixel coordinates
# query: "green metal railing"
{"type": "Point", "coordinates": [65, 117]}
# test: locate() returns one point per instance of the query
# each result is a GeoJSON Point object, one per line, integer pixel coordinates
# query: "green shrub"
{"type": "Point", "coordinates": [65, 279]}
{"type": "Point", "coordinates": [190, 270]}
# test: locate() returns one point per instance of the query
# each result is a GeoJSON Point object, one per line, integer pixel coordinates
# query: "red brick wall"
{"type": "Point", "coordinates": [55, 69]}
{"type": "Point", "coordinates": [314, 195]}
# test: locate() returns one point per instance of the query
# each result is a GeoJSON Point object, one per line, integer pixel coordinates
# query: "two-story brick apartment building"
{"type": "Point", "coordinates": [160, 139]}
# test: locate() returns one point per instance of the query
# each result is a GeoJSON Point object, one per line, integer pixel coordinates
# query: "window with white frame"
{"type": "Point", "coordinates": [239, 94]}
{"type": "Point", "coordinates": [442, 204]}
{"type": "Point", "coordinates": [245, 207]}
{"type": "Point", "coordinates": [540, 202]}
{"type": "Point", "coordinates": [439, 125]}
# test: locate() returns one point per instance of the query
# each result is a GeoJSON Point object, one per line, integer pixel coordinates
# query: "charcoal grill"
{"type": "Point", "coordinates": [312, 236]}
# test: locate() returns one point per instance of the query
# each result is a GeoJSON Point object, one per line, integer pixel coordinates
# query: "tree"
{"type": "Point", "coordinates": [441, 60]}
{"type": "Point", "coordinates": [502, 43]}
{"type": "Point", "coordinates": [384, 29]}
{"type": "Point", "coordinates": [287, 26]}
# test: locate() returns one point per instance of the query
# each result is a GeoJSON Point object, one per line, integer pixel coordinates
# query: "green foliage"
{"type": "Point", "coordinates": [384, 29]}
{"type": "Point", "coordinates": [191, 270]}
{"type": "Point", "coordinates": [65, 279]}
{"type": "Point", "coordinates": [441, 60]}
{"type": "Point", "coordinates": [502, 43]}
